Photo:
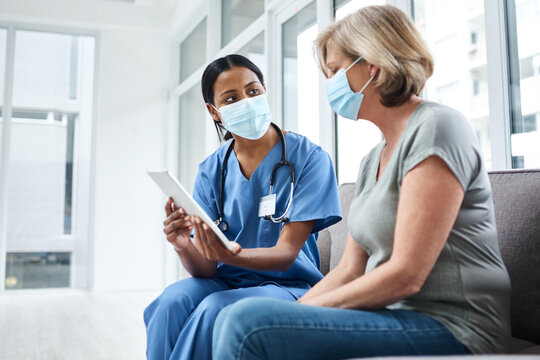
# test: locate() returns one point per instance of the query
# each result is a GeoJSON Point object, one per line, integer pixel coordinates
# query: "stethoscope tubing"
{"type": "Point", "coordinates": [220, 222]}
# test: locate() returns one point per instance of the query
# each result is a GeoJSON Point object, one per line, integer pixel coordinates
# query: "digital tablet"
{"type": "Point", "coordinates": [172, 188]}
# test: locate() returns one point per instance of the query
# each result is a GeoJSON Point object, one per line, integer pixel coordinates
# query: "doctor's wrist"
{"type": "Point", "coordinates": [178, 249]}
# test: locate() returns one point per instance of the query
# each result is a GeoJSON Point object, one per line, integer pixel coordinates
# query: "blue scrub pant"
{"type": "Point", "coordinates": [257, 329]}
{"type": "Point", "coordinates": [180, 321]}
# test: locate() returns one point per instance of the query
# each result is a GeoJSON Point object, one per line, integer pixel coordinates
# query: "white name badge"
{"type": "Point", "coordinates": [267, 206]}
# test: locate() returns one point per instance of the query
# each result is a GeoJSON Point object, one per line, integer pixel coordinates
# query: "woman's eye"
{"type": "Point", "coordinates": [230, 99]}
{"type": "Point", "coordinates": [254, 91]}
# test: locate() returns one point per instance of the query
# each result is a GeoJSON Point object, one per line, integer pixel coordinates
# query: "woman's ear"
{"type": "Point", "coordinates": [213, 112]}
{"type": "Point", "coordinates": [373, 70]}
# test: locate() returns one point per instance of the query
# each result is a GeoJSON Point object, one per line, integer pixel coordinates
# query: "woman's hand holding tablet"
{"type": "Point", "coordinates": [184, 205]}
{"type": "Point", "coordinates": [177, 226]}
{"type": "Point", "coordinates": [209, 245]}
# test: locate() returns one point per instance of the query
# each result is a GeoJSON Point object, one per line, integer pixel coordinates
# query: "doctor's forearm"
{"type": "Point", "coordinates": [279, 257]}
{"type": "Point", "coordinates": [263, 259]}
{"type": "Point", "coordinates": [195, 263]}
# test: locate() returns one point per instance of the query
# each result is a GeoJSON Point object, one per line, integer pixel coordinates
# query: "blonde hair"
{"type": "Point", "coordinates": [386, 37]}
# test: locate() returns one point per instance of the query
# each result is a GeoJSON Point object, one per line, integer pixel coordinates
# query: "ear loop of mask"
{"type": "Point", "coordinates": [212, 105]}
{"type": "Point", "coordinates": [365, 86]}
{"type": "Point", "coordinates": [355, 61]}
{"type": "Point", "coordinates": [371, 78]}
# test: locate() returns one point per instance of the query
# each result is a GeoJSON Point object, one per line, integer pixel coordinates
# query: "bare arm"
{"type": "Point", "coordinates": [195, 263]}
{"type": "Point", "coordinates": [279, 257]}
{"type": "Point", "coordinates": [351, 266]}
{"type": "Point", "coordinates": [430, 199]}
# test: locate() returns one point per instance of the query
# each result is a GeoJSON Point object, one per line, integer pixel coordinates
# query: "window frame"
{"type": "Point", "coordinates": [79, 242]}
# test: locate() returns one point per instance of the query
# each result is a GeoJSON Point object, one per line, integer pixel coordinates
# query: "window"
{"type": "Point", "coordinates": [237, 15]}
{"type": "Point", "coordinates": [354, 139]}
{"type": "Point", "coordinates": [525, 137]}
{"type": "Point", "coordinates": [526, 69]}
{"type": "Point", "coordinates": [254, 51]}
{"type": "Point", "coordinates": [300, 74]}
{"type": "Point", "coordinates": [193, 51]}
{"type": "Point", "coordinates": [3, 44]}
{"type": "Point", "coordinates": [474, 38]}
{"type": "Point", "coordinates": [52, 93]}
{"type": "Point", "coordinates": [455, 34]}
{"type": "Point", "coordinates": [35, 270]}
{"type": "Point", "coordinates": [192, 128]}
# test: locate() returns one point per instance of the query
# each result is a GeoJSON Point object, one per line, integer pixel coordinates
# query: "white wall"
{"type": "Point", "coordinates": [148, 15]}
{"type": "Point", "coordinates": [131, 120]}
{"type": "Point", "coordinates": [127, 245]}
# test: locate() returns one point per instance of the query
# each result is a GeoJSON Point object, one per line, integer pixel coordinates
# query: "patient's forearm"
{"type": "Point", "coordinates": [334, 279]}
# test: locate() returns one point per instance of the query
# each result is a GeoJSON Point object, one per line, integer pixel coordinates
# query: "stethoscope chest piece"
{"type": "Point", "coordinates": [222, 225]}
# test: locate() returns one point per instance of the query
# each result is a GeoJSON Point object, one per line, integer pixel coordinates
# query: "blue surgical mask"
{"type": "Point", "coordinates": [343, 100]}
{"type": "Point", "coordinates": [248, 118]}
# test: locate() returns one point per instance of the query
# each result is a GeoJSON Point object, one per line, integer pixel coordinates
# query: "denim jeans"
{"type": "Point", "coordinates": [259, 328]}
{"type": "Point", "coordinates": [180, 321]}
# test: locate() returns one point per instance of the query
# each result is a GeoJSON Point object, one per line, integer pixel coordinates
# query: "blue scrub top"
{"type": "Point", "coordinates": [315, 198]}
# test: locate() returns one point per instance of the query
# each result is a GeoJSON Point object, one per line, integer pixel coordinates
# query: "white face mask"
{"type": "Point", "coordinates": [248, 118]}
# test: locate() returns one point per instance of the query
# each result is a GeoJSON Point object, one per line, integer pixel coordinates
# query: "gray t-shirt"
{"type": "Point", "coordinates": [468, 289]}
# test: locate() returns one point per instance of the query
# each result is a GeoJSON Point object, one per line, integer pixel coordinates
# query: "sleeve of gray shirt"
{"type": "Point", "coordinates": [447, 134]}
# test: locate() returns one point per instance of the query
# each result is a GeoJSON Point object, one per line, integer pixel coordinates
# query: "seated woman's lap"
{"type": "Point", "coordinates": [183, 315]}
{"type": "Point", "coordinates": [195, 339]}
{"type": "Point", "coordinates": [271, 329]}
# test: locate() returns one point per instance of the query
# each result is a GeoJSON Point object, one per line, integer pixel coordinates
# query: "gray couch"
{"type": "Point", "coordinates": [516, 195]}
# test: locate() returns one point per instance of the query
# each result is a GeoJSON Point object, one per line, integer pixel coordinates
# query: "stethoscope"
{"type": "Point", "coordinates": [220, 222]}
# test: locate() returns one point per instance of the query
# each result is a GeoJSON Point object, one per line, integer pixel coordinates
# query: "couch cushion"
{"type": "Point", "coordinates": [458, 357]}
{"type": "Point", "coordinates": [339, 231]}
{"type": "Point", "coordinates": [520, 346]}
{"type": "Point", "coordinates": [323, 243]}
{"type": "Point", "coordinates": [516, 196]}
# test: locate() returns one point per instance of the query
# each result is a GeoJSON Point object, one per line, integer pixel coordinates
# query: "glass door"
{"type": "Point", "coordinates": [46, 184]}
{"type": "Point", "coordinates": [300, 79]}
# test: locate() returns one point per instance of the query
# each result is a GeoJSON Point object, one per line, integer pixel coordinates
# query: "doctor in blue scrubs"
{"type": "Point", "coordinates": [274, 226]}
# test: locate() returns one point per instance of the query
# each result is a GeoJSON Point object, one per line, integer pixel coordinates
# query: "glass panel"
{"type": "Point", "coordinates": [70, 121]}
{"type": "Point", "coordinates": [354, 138]}
{"type": "Point", "coordinates": [455, 33]}
{"type": "Point", "coordinates": [525, 138]}
{"type": "Point", "coordinates": [346, 7]}
{"type": "Point", "coordinates": [3, 54]}
{"type": "Point", "coordinates": [192, 113]}
{"type": "Point", "coordinates": [48, 95]}
{"type": "Point", "coordinates": [254, 51]}
{"type": "Point", "coordinates": [193, 51]}
{"type": "Point", "coordinates": [37, 270]}
{"type": "Point", "coordinates": [43, 64]}
{"type": "Point", "coordinates": [37, 182]}
{"type": "Point", "coordinates": [238, 15]}
{"type": "Point", "coordinates": [301, 74]}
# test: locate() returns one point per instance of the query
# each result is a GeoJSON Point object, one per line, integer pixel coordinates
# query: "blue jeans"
{"type": "Point", "coordinates": [258, 328]}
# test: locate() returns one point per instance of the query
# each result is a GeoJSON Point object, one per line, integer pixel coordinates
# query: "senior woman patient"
{"type": "Point", "coordinates": [422, 272]}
